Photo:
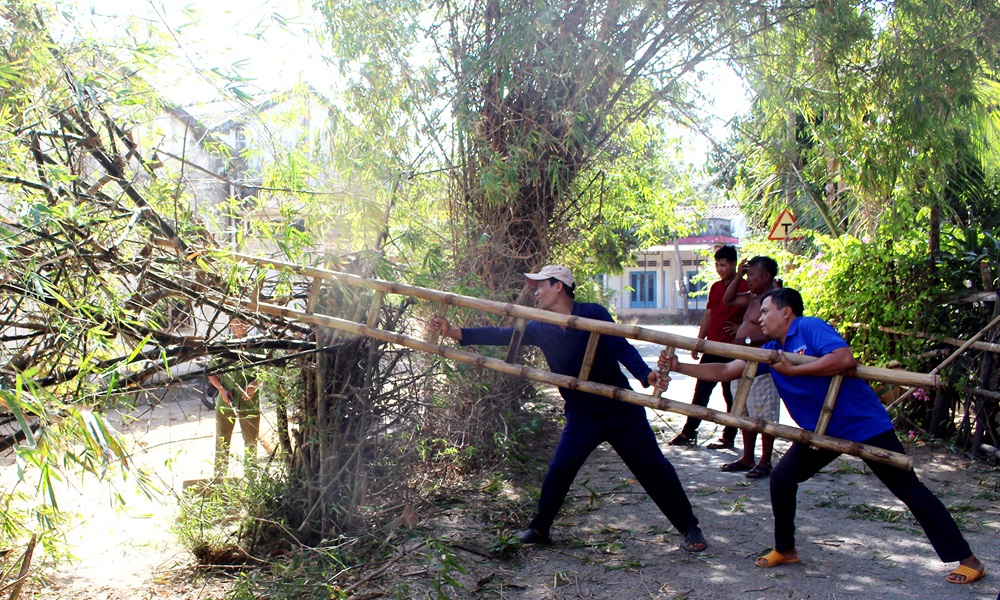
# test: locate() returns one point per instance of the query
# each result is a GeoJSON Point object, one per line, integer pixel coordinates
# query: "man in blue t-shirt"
{"type": "Point", "coordinates": [590, 419]}
{"type": "Point", "coordinates": [858, 416]}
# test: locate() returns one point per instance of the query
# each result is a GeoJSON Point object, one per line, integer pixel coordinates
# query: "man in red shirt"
{"type": "Point", "coordinates": [718, 325]}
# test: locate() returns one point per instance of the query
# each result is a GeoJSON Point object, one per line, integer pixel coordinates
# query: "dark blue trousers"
{"type": "Point", "coordinates": [629, 433]}
{"type": "Point", "coordinates": [802, 462]}
{"type": "Point", "coordinates": [703, 393]}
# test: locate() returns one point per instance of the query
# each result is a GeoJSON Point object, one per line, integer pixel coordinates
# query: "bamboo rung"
{"type": "Point", "coordinates": [664, 377]}
{"type": "Point", "coordinates": [436, 334]}
{"type": "Point", "coordinates": [828, 402]}
{"type": "Point", "coordinates": [588, 356]}
{"type": "Point", "coordinates": [743, 390]}
{"type": "Point", "coordinates": [314, 289]}
{"type": "Point", "coordinates": [374, 309]}
{"type": "Point", "coordinates": [515, 341]}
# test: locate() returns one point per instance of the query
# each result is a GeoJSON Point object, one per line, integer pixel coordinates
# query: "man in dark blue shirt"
{"type": "Point", "coordinates": [858, 416]}
{"type": "Point", "coordinates": [590, 419]}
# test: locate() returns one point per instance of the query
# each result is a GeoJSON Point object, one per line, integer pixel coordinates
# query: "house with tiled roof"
{"type": "Point", "coordinates": [660, 283]}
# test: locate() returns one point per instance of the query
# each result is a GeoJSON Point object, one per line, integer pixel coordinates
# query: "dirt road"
{"type": "Point", "coordinates": [611, 542]}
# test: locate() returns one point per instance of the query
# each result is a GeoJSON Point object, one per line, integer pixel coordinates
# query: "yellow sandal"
{"type": "Point", "coordinates": [775, 558]}
{"type": "Point", "coordinates": [969, 573]}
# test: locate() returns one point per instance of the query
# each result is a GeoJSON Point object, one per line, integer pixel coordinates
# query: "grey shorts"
{"type": "Point", "coordinates": [763, 401]}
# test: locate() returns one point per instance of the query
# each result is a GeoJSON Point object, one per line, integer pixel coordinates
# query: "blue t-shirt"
{"type": "Point", "coordinates": [857, 415]}
{"type": "Point", "coordinates": [564, 350]}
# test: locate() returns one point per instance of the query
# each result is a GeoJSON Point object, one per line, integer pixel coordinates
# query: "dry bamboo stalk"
{"type": "Point", "coordinates": [899, 377]}
{"type": "Point", "coordinates": [588, 356]}
{"type": "Point", "coordinates": [664, 377]}
{"type": "Point", "coordinates": [987, 346]}
{"type": "Point", "coordinates": [992, 395]}
{"type": "Point", "coordinates": [968, 343]}
{"type": "Point", "coordinates": [827, 411]}
{"type": "Point", "coordinates": [743, 390]}
{"type": "Point", "coordinates": [706, 414]}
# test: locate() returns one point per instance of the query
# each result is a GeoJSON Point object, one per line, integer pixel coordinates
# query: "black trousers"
{"type": "Point", "coordinates": [629, 433]}
{"type": "Point", "coordinates": [703, 392]}
{"type": "Point", "coordinates": [802, 462]}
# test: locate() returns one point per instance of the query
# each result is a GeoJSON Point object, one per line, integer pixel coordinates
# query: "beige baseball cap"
{"type": "Point", "coordinates": [558, 272]}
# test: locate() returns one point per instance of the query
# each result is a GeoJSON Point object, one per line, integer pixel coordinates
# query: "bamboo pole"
{"type": "Point", "coordinates": [565, 381]}
{"type": "Point", "coordinates": [899, 377]}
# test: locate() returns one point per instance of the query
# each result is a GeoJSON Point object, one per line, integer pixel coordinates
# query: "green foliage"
{"type": "Point", "coordinates": [443, 565]}
{"type": "Point", "coordinates": [231, 519]}
{"type": "Point", "coordinates": [867, 112]}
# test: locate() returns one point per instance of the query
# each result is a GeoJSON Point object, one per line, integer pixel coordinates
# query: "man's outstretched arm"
{"type": "Point", "coordinates": [835, 362]}
{"type": "Point", "coordinates": [705, 372]}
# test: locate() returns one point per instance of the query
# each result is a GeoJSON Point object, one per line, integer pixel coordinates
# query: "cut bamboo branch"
{"type": "Point", "coordinates": [684, 408]}
{"type": "Point", "coordinates": [896, 376]}
{"type": "Point", "coordinates": [588, 356]}
{"type": "Point", "coordinates": [25, 566]}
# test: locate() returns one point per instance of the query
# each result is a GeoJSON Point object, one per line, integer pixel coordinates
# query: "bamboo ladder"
{"type": "Point", "coordinates": [522, 314]}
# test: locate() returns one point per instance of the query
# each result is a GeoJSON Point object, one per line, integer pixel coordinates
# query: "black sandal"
{"type": "Point", "coordinates": [682, 440]}
{"type": "Point", "coordinates": [736, 467]}
{"type": "Point", "coordinates": [722, 444]}
{"type": "Point", "coordinates": [694, 537]}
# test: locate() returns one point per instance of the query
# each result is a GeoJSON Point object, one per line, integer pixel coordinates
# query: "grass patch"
{"type": "Point", "coordinates": [842, 467]}
{"type": "Point", "coordinates": [879, 514]}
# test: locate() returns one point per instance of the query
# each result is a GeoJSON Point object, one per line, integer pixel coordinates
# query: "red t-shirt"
{"type": "Point", "coordinates": [722, 312]}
